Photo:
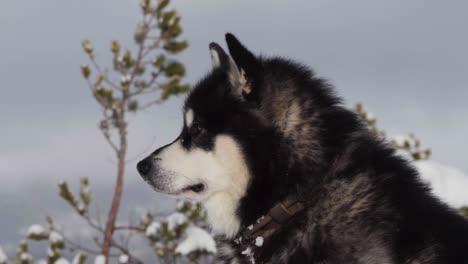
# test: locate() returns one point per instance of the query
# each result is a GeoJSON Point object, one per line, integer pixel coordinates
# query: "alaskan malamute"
{"type": "Point", "coordinates": [287, 174]}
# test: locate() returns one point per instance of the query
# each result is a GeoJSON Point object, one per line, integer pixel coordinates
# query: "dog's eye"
{"type": "Point", "coordinates": [195, 130]}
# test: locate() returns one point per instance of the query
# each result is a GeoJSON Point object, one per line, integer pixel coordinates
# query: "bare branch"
{"type": "Point", "coordinates": [103, 73]}
{"type": "Point", "coordinates": [75, 246]}
{"type": "Point", "coordinates": [122, 249]}
{"type": "Point", "coordinates": [146, 150]}
{"type": "Point", "coordinates": [92, 224]}
{"type": "Point", "coordinates": [119, 98]}
{"type": "Point", "coordinates": [151, 103]}
{"type": "Point", "coordinates": [134, 228]}
{"type": "Point", "coordinates": [109, 141]}
{"type": "Point", "coordinates": [105, 132]}
{"type": "Point", "coordinates": [148, 89]}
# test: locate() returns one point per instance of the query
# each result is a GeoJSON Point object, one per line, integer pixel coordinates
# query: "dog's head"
{"type": "Point", "coordinates": [252, 127]}
{"type": "Point", "coordinates": [208, 158]}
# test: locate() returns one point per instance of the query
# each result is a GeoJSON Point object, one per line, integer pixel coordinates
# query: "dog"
{"type": "Point", "coordinates": [287, 174]}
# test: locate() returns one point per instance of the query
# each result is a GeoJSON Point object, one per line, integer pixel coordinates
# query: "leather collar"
{"type": "Point", "coordinates": [257, 234]}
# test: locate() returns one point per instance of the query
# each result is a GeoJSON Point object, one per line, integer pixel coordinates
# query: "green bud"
{"type": "Point", "coordinates": [86, 45]}
{"type": "Point", "coordinates": [125, 81]}
{"type": "Point", "coordinates": [65, 193]}
{"type": "Point", "coordinates": [127, 59]}
{"type": "Point", "coordinates": [174, 68]}
{"type": "Point", "coordinates": [173, 87]}
{"type": "Point", "coordinates": [104, 93]}
{"type": "Point", "coordinates": [165, 19]}
{"type": "Point", "coordinates": [174, 32]}
{"type": "Point", "coordinates": [99, 80]}
{"type": "Point", "coordinates": [141, 84]}
{"type": "Point", "coordinates": [406, 144]}
{"type": "Point", "coordinates": [23, 246]}
{"type": "Point", "coordinates": [175, 46]}
{"type": "Point", "coordinates": [85, 194]}
{"type": "Point", "coordinates": [161, 5]}
{"type": "Point", "coordinates": [115, 46]}
{"type": "Point", "coordinates": [140, 70]}
{"type": "Point", "coordinates": [104, 125]}
{"type": "Point", "coordinates": [145, 6]}
{"type": "Point", "coordinates": [133, 106]}
{"type": "Point", "coordinates": [37, 237]}
{"type": "Point", "coordinates": [85, 71]}
{"type": "Point", "coordinates": [359, 107]}
{"type": "Point", "coordinates": [428, 153]}
{"type": "Point", "coordinates": [140, 33]}
{"type": "Point", "coordinates": [159, 60]}
{"type": "Point", "coordinates": [81, 258]}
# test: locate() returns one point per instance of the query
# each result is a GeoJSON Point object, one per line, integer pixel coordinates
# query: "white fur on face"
{"type": "Point", "coordinates": [189, 117]}
{"type": "Point", "coordinates": [223, 171]}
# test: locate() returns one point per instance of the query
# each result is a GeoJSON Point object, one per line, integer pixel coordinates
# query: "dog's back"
{"type": "Point", "coordinates": [367, 205]}
{"type": "Point", "coordinates": [375, 209]}
{"type": "Point", "coordinates": [371, 208]}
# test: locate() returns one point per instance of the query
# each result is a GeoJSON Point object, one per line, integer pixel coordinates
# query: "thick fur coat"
{"type": "Point", "coordinates": [263, 128]}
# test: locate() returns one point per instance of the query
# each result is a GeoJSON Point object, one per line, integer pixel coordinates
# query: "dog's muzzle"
{"type": "Point", "coordinates": [148, 168]}
{"type": "Point", "coordinates": [145, 167]}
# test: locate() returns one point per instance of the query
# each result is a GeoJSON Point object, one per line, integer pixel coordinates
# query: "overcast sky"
{"type": "Point", "coordinates": [407, 61]}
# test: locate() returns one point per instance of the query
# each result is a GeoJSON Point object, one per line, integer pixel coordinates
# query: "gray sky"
{"type": "Point", "coordinates": [407, 61]}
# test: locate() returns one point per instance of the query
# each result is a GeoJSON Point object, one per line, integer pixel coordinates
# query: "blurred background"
{"type": "Point", "coordinates": [405, 61]}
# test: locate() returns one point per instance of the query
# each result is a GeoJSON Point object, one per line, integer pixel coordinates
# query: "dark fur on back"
{"type": "Point", "coordinates": [365, 203]}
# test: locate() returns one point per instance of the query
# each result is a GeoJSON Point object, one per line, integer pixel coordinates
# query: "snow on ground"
{"type": "Point", "coordinates": [3, 256]}
{"type": "Point", "coordinates": [197, 239]}
{"type": "Point", "coordinates": [448, 183]}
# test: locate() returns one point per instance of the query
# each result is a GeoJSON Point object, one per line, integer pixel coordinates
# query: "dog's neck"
{"type": "Point", "coordinates": [267, 225]}
{"type": "Point", "coordinates": [253, 239]}
{"type": "Point", "coordinates": [222, 214]}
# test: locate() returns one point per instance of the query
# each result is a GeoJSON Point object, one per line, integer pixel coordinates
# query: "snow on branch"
{"type": "Point", "coordinates": [197, 240]}
{"type": "Point", "coordinates": [3, 256]}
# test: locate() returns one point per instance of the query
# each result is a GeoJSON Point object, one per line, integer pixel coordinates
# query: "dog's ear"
{"type": "Point", "coordinates": [219, 58]}
{"type": "Point", "coordinates": [246, 62]}
{"type": "Point", "coordinates": [222, 61]}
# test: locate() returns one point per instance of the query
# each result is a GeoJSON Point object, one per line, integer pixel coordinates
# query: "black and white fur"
{"type": "Point", "coordinates": [257, 129]}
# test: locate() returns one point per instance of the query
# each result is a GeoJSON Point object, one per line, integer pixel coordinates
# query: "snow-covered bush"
{"type": "Point", "coordinates": [448, 183]}
{"type": "Point", "coordinates": [180, 235]}
{"type": "Point", "coordinates": [3, 256]}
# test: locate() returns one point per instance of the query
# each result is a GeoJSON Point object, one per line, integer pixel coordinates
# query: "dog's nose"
{"type": "Point", "coordinates": [144, 166]}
